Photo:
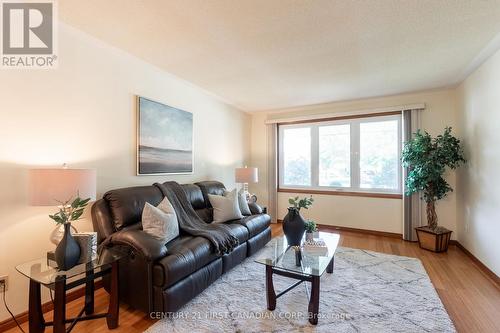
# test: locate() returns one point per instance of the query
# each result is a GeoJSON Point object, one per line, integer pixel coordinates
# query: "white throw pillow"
{"type": "Point", "coordinates": [161, 221]}
{"type": "Point", "coordinates": [226, 208]}
{"type": "Point", "coordinates": [242, 202]}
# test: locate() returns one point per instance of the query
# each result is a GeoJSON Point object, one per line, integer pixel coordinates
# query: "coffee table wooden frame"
{"type": "Point", "coordinates": [313, 308]}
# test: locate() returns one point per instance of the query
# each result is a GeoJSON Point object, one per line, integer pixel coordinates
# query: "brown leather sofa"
{"type": "Point", "coordinates": [164, 277]}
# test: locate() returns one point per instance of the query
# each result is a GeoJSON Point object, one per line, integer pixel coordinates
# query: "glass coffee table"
{"type": "Point", "coordinates": [44, 272]}
{"type": "Point", "coordinates": [304, 266]}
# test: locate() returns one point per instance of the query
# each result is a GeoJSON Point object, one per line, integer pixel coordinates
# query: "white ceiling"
{"type": "Point", "coordinates": [268, 54]}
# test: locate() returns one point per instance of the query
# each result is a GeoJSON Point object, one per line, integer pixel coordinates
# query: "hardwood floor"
{"type": "Point", "coordinates": [471, 298]}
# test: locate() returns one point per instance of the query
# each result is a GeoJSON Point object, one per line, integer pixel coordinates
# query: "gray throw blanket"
{"type": "Point", "coordinates": [218, 234]}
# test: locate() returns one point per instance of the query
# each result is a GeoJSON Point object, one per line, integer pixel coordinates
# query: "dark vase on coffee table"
{"type": "Point", "coordinates": [294, 227]}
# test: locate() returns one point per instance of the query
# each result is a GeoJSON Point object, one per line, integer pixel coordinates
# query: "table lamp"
{"type": "Point", "coordinates": [57, 187]}
{"type": "Point", "coordinates": [246, 175]}
{"type": "Point", "coordinates": [50, 187]}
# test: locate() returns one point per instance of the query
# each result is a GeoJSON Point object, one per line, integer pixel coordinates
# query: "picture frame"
{"type": "Point", "coordinates": [164, 139]}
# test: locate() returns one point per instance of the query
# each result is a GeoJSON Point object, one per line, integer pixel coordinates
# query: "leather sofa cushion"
{"type": "Point", "coordinates": [256, 243]}
{"type": "Point", "coordinates": [254, 223]}
{"type": "Point", "coordinates": [102, 220]}
{"type": "Point", "coordinates": [239, 231]}
{"type": "Point", "coordinates": [255, 208]}
{"type": "Point", "coordinates": [211, 187]}
{"type": "Point", "coordinates": [126, 204]}
{"type": "Point", "coordinates": [174, 297]}
{"type": "Point", "coordinates": [195, 196]}
{"type": "Point", "coordinates": [236, 256]}
{"type": "Point", "coordinates": [148, 247]}
{"type": "Point", "coordinates": [185, 255]}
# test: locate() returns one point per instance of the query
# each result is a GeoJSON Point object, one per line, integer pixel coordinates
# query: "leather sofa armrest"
{"type": "Point", "coordinates": [254, 208]}
{"type": "Point", "coordinates": [149, 247]}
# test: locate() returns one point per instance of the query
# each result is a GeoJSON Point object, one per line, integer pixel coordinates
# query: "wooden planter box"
{"type": "Point", "coordinates": [432, 240]}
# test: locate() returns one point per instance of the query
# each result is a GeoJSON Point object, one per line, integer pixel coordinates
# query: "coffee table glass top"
{"type": "Point", "coordinates": [279, 255]}
{"type": "Point", "coordinates": [46, 272]}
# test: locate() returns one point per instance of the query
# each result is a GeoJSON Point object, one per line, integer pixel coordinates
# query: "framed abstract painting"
{"type": "Point", "coordinates": [164, 139]}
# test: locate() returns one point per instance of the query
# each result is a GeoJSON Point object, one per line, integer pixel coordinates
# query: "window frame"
{"type": "Point", "coordinates": [355, 170]}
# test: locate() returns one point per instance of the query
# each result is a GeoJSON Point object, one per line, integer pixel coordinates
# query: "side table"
{"type": "Point", "coordinates": [42, 272]}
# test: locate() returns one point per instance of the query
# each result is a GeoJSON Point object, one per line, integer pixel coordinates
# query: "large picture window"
{"type": "Point", "coordinates": [358, 155]}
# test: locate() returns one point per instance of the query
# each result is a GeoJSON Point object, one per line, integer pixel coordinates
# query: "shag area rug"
{"type": "Point", "coordinates": [367, 292]}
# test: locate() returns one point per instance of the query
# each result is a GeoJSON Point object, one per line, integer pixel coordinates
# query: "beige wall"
{"type": "Point", "coordinates": [83, 113]}
{"type": "Point", "coordinates": [376, 214]}
{"type": "Point", "coordinates": [479, 182]}
{"type": "Point", "coordinates": [353, 212]}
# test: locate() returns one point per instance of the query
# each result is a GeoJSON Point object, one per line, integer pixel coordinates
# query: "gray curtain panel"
{"type": "Point", "coordinates": [412, 205]}
{"type": "Point", "coordinates": [272, 171]}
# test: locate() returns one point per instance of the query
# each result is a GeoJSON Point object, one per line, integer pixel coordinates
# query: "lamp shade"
{"type": "Point", "coordinates": [47, 187]}
{"type": "Point", "coordinates": [246, 175]}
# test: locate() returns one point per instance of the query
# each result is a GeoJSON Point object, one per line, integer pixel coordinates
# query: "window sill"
{"type": "Point", "coordinates": [345, 193]}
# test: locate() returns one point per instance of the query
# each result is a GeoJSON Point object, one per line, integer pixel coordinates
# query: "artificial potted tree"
{"type": "Point", "coordinates": [427, 159]}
